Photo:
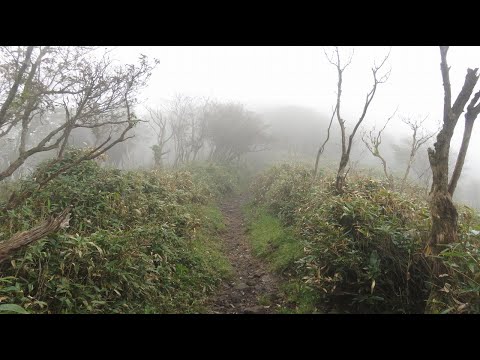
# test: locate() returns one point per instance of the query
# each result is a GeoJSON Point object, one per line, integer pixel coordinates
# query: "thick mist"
{"type": "Point", "coordinates": [262, 105]}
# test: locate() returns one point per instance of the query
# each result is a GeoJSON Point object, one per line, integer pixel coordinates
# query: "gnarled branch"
{"type": "Point", "coordinates": [24, 238]}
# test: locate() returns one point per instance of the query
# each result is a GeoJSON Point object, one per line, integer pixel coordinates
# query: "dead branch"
{"type": "Point", "coordinates": [322, 147]}
{"type": "Point", "coordinates": [23, 238]}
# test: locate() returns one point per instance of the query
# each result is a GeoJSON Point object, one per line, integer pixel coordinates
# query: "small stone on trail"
{"type": "Point", "coordinates": [236, 297]}
{"type": "Point", "coordinates": [259, 287]}
{"type": "Point", "coordinates": [241, 286]}
{"type": "Point", "coordinates": [253, 310]}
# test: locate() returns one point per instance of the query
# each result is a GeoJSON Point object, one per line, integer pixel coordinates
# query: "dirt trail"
{"type": "Point", "coordinates": [252, 289]}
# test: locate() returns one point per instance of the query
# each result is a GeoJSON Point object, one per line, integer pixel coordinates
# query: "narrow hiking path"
{"type": "Point", "coordinates": [252, 286]}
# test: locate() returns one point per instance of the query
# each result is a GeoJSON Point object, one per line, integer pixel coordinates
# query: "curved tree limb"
{"type": "Point", "coordinates": [322, 148]}
{"type": "Point", "coordinates": [23, 238]}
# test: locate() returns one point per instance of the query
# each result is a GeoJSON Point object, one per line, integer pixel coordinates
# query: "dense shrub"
{"type": "Point", "coordinates": [222, 179]}
{"type": "Point", "coordinates": [138, 241]}
{"type": "Point", "coordinates": [363, 249]}
{"type": "Point", "coordinates": [282, 189]}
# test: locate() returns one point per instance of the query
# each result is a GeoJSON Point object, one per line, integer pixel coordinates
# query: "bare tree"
{"type": "Point", "coordinates": [373, 141]}
{"type": "Point", "coordinates": [181, 114]}
{"type": "Point", "coordinates": [158, 123]}
{"type": "Point", "coordinates": [199, 127]}
{"type": "Point", "coordinates": [420, 136]}
{"type": "Point", "coordinates": [91, 91]}
{"type": "Point", "coordinates": [443, 212]}
{"type": "Point", "coordinates": [335, 60]}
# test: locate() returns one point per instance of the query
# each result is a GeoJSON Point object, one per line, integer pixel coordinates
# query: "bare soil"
{"type": "Point", "coordinates": [252, 289]}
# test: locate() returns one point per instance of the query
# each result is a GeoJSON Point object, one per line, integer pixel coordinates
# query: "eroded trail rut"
{"type": "Point", "coordinates": [252, 289]}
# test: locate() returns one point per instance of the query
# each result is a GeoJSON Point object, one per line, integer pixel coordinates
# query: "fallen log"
{"type": "Point", "coordinates": [24, 238]}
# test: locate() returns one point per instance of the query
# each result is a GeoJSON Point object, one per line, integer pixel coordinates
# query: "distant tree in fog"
{"type": "Point", "coordinates": [188, 124]}
{"type": "Point", "coordinates": [233, 131]}
{"type": "Point", "coordinates": [199, 127]}
{"type": "Point", "coordinates": [420, 136]}
{"type": "Point", "coordinates": [406, 153]}
{"type": "Point", "coordinates": [157, 121]}
{"type": "Point", "coordinates": [372, 141]}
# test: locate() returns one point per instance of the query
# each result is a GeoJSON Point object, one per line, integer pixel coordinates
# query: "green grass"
{"type": "Point", "coordinates": [281, 249]}
{"type": "Point", "coordinates": [271, 241]}
{"type": "Point", "coordinates": [212, 216]}
{"type": "Point", "coordinates": [208, 244]}
{"type": "Point", "coordinates": [301, 299]}
{"type": "Point", "coordinates": [206, 250]}
{"type": "Point", "coordinates": [212, 266]}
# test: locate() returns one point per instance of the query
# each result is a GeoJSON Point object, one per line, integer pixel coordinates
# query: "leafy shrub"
{"type": "Point", "coordinates": [282, 189]}
{"type": "Point", "coordinates": [363, 250]}
{"type": "Point", "coordinates": [138, 241]}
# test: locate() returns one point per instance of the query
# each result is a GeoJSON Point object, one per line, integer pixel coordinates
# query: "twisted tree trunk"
{"type": "Point", "coordinates": [443, 212]}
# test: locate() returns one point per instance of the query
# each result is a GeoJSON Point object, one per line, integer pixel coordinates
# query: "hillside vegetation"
{"type": "Point", "coordinates": [137, 241]}
{"type": "Point", "coordinates": [363, 251]}
{"type": "Point", "coordinates": [110, 205]}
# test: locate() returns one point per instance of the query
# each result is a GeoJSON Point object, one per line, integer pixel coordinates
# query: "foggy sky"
{"type": "Point", "coordinates": [263, 77]}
